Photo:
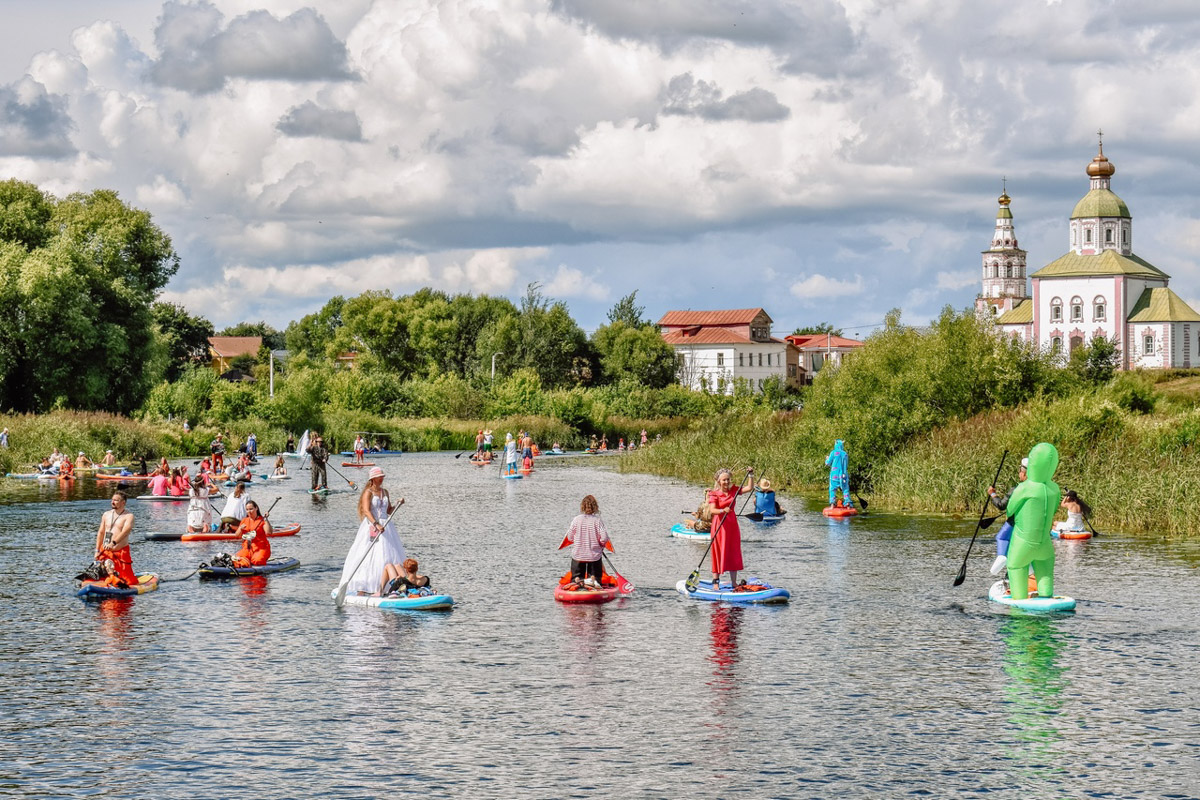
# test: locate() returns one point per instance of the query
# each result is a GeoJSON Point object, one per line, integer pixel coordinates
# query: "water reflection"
{"type": "Point", "coordinates": [1033, 653]}
{"type": "Point", "coordinates": [724, 625]}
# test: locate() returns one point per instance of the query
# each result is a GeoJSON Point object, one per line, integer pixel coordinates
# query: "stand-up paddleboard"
{"type": "Point", "coordinates": [431, 602]}
{"type": "Point", "coordinates": [285, 530]}
{"type": "Point", "coordinates": [726, 594]}
{"type": "Point", "coordinates": [682, 531]}
{"type": "Point", "coordinates": [124, 477]}
{"type": "Point", "coordinates": [88, 590]}
{"type": "Point", "coordinates": [358, 464]}
{"type": "Point", "coordinates": [165, 498]}
{"type": "Point", "coordinates": [273, 565]}
{"type": "Point", "coordinates": [839, 511]}
{"type": "Point", "coordinates": [769, 519]}
{"type": "Point", "coordinates": [327, 490]}
{"type": "Point", "coordinates": [515, 476]}
{"type": "Point", "coordinates": [564, 595]}
{"type": "Point", "coordinates": [1072, 535]}
{"type": "Point", "coordinates": [999, 594]}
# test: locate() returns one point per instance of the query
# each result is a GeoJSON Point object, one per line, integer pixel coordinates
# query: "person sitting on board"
{"type": "Point", "coordinates": [235, 508]}
{"type": "Point", "coordinates": [603, 442]}
{"type": "Point", "coordinates": [83, 462]}
{"type": "Point", "coordinates": [178, 485]}
{"type": "Point", "coordinates": [403, 580]}
{"type": "Point", "coordinates": [360, 449]}
{"type": "Point", "coordinates": [621, 445]}
{"type": "Point", "coordinates": [595, 445]}
{"type": "Point", "coordinates": [839, 475]}
{"type": "Point", "coordinates": [66, 469]}
{"type": "Point", "coordinates": [1032, 507]}
{"type": "Point", "coordinates": [702, 519]}
{"type": "Point", "coordinates": [363, 571]}
{"type": "Point", "coordinates": [199, 513]}
{"type": "Point", "coordinates": [556, 448]}
{"type": "Point", "coordinates": [1076, 511]}
{"type": "Point", "coordinates": [112, 543]}
{"type": "Point", "coordinates": [254, 530]}
{"type": "Point", "coordinates": [56, 456]}
{"type": "Point", "coordinates": [160, 485]}
{"type": "Point", "coordinates": [280, 470]}
{"type": "Point", "coordinates": [140, 461]}
{"type": "Point", "coordinates": [726, 535]}
{"type": "Point", "coordinates": [109, 459]}
{"type": "Point", "coordinates": [510, 455]}
{"type": "Point", "coordinates": [1004, 535]}
{"type": "Point", "coordinates": [587, 537]}
{"type": "Point", "coordinates": [764, 500]}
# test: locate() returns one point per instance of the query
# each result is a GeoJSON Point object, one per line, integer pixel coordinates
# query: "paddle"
{"type": "Point", "coordinates": [353, 485]}
{"type": "Point", "coordinates": [962, 571]}
{"type": "Point", "coordinates": [693, 580]}
{"type": "Point", "coordinates": [1089, 524]}
{"type": "Point", "coordinates": [623, 585]}
{"type": "Point", "coordinates": [340, 597]}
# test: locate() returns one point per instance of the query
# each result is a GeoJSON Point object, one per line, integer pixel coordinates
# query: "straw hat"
{"type": "Point", "coordinates": [765, 485]}
{"type": "Point", "coordinates": [376, 472]}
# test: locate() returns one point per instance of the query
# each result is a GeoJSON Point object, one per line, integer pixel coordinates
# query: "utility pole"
{"type": "Point", "coordinates": [494, 364]}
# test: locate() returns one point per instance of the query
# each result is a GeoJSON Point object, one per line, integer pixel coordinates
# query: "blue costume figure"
{"type": "Point", "coordinates": [839, 474]}
{"type": "Point", "coordinates": [764, 499]}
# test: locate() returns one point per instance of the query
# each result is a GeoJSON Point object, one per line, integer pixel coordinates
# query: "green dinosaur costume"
{"type": "Point", "coordinates": [1032, 508]}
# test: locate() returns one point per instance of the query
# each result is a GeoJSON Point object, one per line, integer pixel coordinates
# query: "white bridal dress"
{"type": "Point", "coordinates": [389, 551]}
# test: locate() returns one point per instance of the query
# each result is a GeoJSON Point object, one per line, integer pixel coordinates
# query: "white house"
{"type": "Point", "coordinates": [1099, 288]}
{"type": "Point", "coordinates": [713, 349]}
{"type": "Point", "coordinates": [818, 349]}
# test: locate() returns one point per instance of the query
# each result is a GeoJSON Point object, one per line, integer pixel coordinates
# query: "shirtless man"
{"type": "Point", "coordinates": [112, 542]}
{"type": "Point", "coordinates": [109, 459]}
{"type": "Point", "coordinates": [527, 450]}
{"type": "Point", "coordinates": [82, 461]}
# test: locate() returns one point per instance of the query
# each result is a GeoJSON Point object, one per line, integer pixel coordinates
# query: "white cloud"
{"type": "Point", "coordinates": [959, 279]}
{"type": "Point", "coordinates": [162, 195]}
{"type": "Point", "coordinates": [820, 287]}
{"type": "Point", "coordinates": [570, 282]}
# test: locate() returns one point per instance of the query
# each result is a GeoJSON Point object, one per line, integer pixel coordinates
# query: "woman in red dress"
{"type": "Point", "coordinates": [726, 535]}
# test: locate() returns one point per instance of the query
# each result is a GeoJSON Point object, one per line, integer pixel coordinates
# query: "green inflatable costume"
{"type": "Point", "coordinates": [1032, 508]}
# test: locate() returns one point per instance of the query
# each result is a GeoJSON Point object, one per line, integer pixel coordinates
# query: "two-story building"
{"type": "Point", "coordinates": [815, 350]}
{"type": "Point", "coordinates": [716, 349]}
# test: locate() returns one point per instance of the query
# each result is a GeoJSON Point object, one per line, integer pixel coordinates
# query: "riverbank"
{"type": "Point", "coordinates": [1133, 458]}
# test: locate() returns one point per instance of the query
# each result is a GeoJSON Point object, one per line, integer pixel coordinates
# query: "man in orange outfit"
{"type": "Point", "coordinates": [256, 547]}
{"type": "Point", "coordinates": [112, 543]}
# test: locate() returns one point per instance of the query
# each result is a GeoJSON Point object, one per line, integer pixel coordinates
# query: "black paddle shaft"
{"type": "Point", "coordinates": [962, 572]}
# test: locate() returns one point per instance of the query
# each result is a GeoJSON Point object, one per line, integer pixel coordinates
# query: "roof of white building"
{"type": "Point", "coordinates": [1162, 305]}
{"type": "Point", "coordinates": [714, 336]}
{"type": "Point", "coordinates": [737, 316]}
{"type": "Point", "coordinates": [1020, 314]}
{"type": "Point", "coordinates": [1108, 262]}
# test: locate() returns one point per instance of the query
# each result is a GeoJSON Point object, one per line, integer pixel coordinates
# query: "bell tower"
{"type": "Point", "coordinates": [1003, 265]}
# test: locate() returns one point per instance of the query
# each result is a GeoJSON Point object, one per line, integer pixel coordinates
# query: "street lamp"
{"type": "Point", "coordinates": [494, 364]}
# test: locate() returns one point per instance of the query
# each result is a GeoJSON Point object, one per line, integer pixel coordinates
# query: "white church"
{"type": "Point", "coordinates": [1099, 288]}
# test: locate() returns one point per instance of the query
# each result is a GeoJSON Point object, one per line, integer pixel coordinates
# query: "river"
{"type": "Point", "coordinates": [878, 680]}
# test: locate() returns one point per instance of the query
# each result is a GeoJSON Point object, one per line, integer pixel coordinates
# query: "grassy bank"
{"type": "Point", "coordinates": [33, 436]}
{"type": "Point", "coordinates": [1137, 470]}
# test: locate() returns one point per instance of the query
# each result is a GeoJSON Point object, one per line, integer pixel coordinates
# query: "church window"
{"type": "Point", "coordinates": [1098, 309]}
{"type": "Point", "coordinates": [1125, 236]}
{"type": "Point", "coordinates": [1108, 235]}
{"type": "Point", "coordinates": [1087, 235]}
{"type": "Point", "coordinates": [1008, 270]}
{"type": "Point", "coordinates": [1056, 344]}
{"type": "Point", "coordinates": [1056, 310]}
{"type": "Point", "coordinates": [1147, 345]}
{"type": "Point", "coordinates": [1076, 309]}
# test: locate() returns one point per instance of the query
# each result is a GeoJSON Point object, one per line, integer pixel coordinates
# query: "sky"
{"type": "Point", "coordinates": [827, 161]}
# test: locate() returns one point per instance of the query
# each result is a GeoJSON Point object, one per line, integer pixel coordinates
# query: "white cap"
{"type": "Point", "coordinates": [1025, 463]}
{"type": "Point", "coordinates": [80, 452]}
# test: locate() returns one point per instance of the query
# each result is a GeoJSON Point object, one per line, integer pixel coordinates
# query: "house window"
{"type": "Point", "coordinates": [1147, 345]}
{"type": "Point", "coordinates": [1098, 309]}
{"type": "Point", "coordinates": [760, 359]}
{"type": "Point", "coordinates": [1056, 310]}
{"type": "Point", "coordinates": [720, 359]}
{"type": "Point", "coordinates": [768, 359]}
{"type": "Point", "coordinates": [741, 359]}
{"type": "Point", "coordinates": [1076, 309]}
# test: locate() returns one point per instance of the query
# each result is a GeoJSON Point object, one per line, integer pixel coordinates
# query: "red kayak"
{"type": "Point", "coordinates": [287, 530]}
{"type": "Point", "coordinates": [358, 464]}
{"type": "Point", "coordinates": [569, 592]}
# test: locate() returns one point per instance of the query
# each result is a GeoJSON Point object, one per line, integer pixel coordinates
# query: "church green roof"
{"type": "Point", "coordinates": [1020, 314]}
{"type": "Point", "coordinates": [1100, 203]}
{"type": "Point", "coordinates": [1004, 213]}
{"type": "Point", "coordinates": [1162, 305]}
{"type": "Point", "coordinates": [1106, 262]}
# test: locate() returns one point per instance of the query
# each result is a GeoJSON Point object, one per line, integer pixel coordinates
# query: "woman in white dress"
{"type": "Point", "coordinates": [374, 505]}
{"type": "Point", "coordinates": [199, 513]}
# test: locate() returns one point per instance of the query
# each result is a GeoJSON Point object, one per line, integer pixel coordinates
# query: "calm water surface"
{"type": "Point", "coordinates": [878, 680]}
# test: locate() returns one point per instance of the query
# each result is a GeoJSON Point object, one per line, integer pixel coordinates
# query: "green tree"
{"type": "Point", "coordinates": [184, 336]}
{"type": "Point", "coordinates": [81, 286]}
{"type": "Point", "coordinates": [628, 312]}
{"type": "Point", "coordinates": [272, 339]}
{"type": "Point", "coordinates": [313, 333]}
{"type": "Point", "coordinates": [550, 342]}
{"type": "Point", "coordinates": [634, 353]}
{"type": "Point", "coordinates": [820, 327]}
{"type": "Point", "coordinates": [1096, 362]}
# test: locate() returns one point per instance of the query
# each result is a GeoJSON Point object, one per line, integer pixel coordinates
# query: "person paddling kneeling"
{"type": "Point", "coordinates": [254, 529]}
{"type": "Point", "coordinates": [587, 535]}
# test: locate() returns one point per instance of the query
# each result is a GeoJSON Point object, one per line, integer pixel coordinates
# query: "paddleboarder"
{"type": "Point", "coordinates": [1004, 535]}
{"type": "Point", "coordinates": [199, 513]}
{"type": "Point", "coordinates": [1032, 508]}
{"type": "Point", "coordinates": [374, 513]}
{"type": "Point", "coordinates": [839, 474]}
{"type": "Point", "coordinates": [235, 508]}
{"type": "Point", "coordinates": [587, 536]}
{"type": "Point", "coordinates": [254, 529]}
{"type": "Point", "coordinates": [112, 543]}
{"type": "Point", "coordinates": [319, 456]}
{"type": "Point", "coordinates": [726, 535]}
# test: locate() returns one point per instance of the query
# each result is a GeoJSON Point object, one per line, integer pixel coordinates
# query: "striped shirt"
{"type": "Point", "coordinates": [587, 536]}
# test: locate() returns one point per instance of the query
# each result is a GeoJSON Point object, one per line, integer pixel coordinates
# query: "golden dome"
{"type": "Point", "coordinates": [1100, 166]}
{"type": "Point", "coordinates": [1004, 199]}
